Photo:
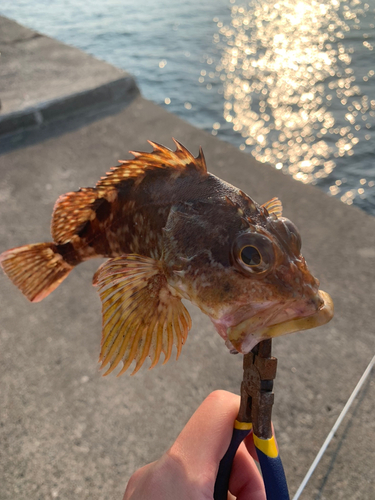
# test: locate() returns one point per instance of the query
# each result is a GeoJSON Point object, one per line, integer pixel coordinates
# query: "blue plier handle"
{"type": "Point", "coordinates": [255, 416]}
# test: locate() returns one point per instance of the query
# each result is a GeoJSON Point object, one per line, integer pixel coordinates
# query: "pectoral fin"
{"type": "Point", "coordinates": [142, 315]}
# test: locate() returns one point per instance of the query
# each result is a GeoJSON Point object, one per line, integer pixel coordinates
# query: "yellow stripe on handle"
{"type": "Point", "coordinates": [243, 426]}
{"type": "Point", "coordinates": [267, 446]}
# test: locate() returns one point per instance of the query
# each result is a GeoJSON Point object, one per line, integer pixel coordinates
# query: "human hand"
{"type": "Point", "coordinates": [187, 471]}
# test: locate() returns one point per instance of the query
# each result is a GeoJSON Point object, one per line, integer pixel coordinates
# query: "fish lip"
{"type": "Point", "coordinates": [243, 339]}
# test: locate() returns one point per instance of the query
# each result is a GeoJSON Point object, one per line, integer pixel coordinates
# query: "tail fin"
{"type": "Point", "coordinates": [35, 269]}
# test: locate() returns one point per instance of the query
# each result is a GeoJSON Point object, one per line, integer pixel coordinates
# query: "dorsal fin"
{"type": "Point", "coordinates": [142, 315]}
{"type": "Point", "coordinates": [274, 206]}
{"type": "Point", "coordinates": [160, 157]}
{"type": "Point", "coordinates": [71, 211]}
{"type": "Point", "coordinates": [75, 209]}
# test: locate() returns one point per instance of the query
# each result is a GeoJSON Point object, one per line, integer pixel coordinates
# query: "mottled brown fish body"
{"type": "Point", "coordinates": [171, 230]}
{"type": "Point", "coordinates": [133, 221]}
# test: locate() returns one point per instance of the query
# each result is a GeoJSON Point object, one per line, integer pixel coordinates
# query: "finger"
{"type": "Point", "coordinates": [206, 437]}
{"type": "Point", "coordinates": [250, 446]}
{"type": "Point", "coordinates": [136, 479]}
{"type": "Point", "coordinates": [245, 481]}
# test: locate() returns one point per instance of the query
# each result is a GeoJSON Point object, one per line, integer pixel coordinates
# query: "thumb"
{"type": "Point", "coordinates": [206, 437]}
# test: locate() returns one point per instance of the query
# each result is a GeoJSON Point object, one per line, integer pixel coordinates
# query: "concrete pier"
{"type": "Point", "coordinates": [65, 431]}
{"type": "Point", "coordinates": [43, 80]}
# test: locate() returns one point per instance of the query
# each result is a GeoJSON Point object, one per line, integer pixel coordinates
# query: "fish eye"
{"type": "Point", "coordinates": [253, 253]}
{"type": "Point", "coordinates": [250, 256]}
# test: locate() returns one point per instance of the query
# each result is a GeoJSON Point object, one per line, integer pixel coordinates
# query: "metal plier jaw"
{"type": "Point", "coordinates": [259, 371]}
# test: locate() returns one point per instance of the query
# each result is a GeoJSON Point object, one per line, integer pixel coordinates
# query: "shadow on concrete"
{"type": "Point", "coordinates": [62, 125]}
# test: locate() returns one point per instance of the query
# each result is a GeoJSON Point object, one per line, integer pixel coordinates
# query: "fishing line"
{"type": "Point", "coordinates": [334, 428]}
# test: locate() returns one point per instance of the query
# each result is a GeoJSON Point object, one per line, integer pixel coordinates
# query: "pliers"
{"type": "Point", "coordinates": [259, 371]}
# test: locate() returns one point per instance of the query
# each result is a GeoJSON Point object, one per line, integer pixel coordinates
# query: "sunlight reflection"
{"type": "Point", "coordinates": [285, 72]}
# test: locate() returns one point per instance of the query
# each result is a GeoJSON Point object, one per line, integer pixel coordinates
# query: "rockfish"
{"type": "Point", "coordinates": [173, 231]}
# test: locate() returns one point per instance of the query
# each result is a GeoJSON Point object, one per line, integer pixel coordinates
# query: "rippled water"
{"type": "Point", "coordinates": [291, 82]}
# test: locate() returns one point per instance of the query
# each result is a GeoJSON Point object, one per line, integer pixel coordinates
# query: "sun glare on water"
{"type": "Point", "coordinates": [289, 88]}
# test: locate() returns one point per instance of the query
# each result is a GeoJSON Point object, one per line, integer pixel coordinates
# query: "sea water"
{"type": "Point", "coordinates": [291, 82]}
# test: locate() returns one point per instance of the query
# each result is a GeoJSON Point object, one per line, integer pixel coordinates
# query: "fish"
{"type": "Point", "coordinates": [173, 231]}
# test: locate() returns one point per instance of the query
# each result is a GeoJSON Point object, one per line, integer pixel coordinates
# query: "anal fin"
{"type": "Point", "coordinates": [142, 315]}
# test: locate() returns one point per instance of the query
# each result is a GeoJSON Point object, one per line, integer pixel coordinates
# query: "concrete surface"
{"type": "Point", "coordinates": [42, 79]}
{"type": "Point", "coordinates": [67, 432]}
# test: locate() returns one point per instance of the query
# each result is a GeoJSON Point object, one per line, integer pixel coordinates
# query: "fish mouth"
{"type": "Point", "coordinates": [248, 333]}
